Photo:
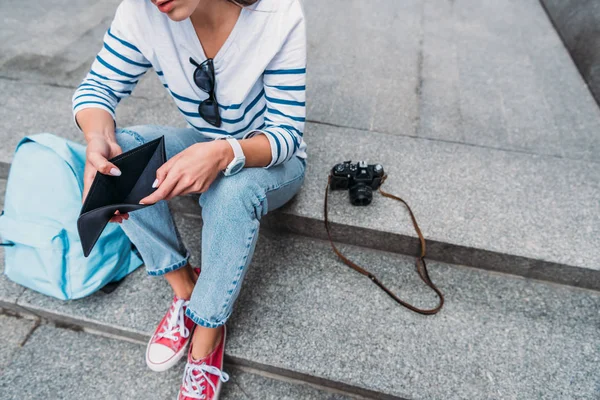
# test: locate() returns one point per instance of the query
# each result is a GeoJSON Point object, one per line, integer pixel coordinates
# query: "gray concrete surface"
{"type": "Point", "coordinates": [52, 41]}
{"type": "Point", "coordinates": [63, 364]}
{"type": "Point", "coordinates": [247, 385]}
{"type": "Point", "coordinates": [13, 333]}
{"type": "Point", "coordinates": [496, 74]}
{"type": "Point", "coordinates": [577, 22]}
{"type": "Point", "coordinates": [516, 204]}
{"type": "Point", "coordinates": [9, 291]}
{"type": "Point", "coordinates": [483, 72]}
{"type": "Point", "coordinates": [303, 314]}
{"type": "Point", "coordinates": [364, 71]}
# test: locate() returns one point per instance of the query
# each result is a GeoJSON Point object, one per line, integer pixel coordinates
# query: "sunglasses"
{"type": "Point", "coordinates": [204, 78]}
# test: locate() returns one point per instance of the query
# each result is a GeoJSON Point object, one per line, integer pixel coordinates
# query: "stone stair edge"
{"type": "Point", "coordinates": [122, 333]}
{"type": "Point", "coordinates": [285, 221]}
{"type": "Point", "coordinates": [35, 337]}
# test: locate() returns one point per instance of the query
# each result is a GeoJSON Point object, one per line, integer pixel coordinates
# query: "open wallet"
{"type": "Point", "coordinates": [111, 193]}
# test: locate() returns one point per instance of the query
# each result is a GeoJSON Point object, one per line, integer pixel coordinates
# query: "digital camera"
{"type": "Point", "coordinates": [360, 179]}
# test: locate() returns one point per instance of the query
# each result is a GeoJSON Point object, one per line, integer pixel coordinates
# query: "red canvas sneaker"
{"type": "Point", "coordinates": [203, 378]}
{"type": "Point", "coordinates": [168, 344]}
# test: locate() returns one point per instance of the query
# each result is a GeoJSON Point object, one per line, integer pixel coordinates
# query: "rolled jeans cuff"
{"type": "Point", "coordinates": [170, 268]}
{"type": "Point", "coordinates": [202, 322]}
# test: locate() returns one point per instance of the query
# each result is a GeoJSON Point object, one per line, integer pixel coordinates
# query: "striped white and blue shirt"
{"type": "Point", "coordinates": [260, 71]}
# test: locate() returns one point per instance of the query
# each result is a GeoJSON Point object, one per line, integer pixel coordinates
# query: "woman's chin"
{"type": "Point", "coordinates": [178, 14]}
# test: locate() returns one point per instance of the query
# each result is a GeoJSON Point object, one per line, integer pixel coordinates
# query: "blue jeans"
{"type": "Point", "coordinates": [231, 211]}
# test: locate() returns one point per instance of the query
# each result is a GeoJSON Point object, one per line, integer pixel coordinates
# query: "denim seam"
{"type": "Point", "coordinates": [283, 184]}
{"type": "Point", "coordinates": [268, 190]}
{"type": "Point", "coordinates": [171, 267]}
{"type": "Point", "coordinates": [237, 279]}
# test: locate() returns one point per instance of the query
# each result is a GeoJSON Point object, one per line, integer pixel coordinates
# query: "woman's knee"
{"type": "Point", "coordinates": [234, 194]}
{"type": "Point", "coordinates": [132, 137]}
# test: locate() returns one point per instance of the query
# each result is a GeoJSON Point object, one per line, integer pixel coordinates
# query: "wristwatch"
{"type": "Point", "coordinates": [239, 160]}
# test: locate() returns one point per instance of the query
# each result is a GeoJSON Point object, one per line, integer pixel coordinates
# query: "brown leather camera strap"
{"type": "Point", "coordinates": [420, 260]}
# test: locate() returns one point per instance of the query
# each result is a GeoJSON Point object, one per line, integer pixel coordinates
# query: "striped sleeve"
{"type": "Point", "coordinates": [285, 91]}
{"type": "Point", "coordinates": [116, 70]}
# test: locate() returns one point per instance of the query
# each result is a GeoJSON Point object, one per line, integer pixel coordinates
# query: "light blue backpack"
{"type": "Point", "coordinates": [38, 226]}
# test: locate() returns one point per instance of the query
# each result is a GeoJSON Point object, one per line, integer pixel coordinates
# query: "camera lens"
{"type": "Point", "coordinates": [361, 195]}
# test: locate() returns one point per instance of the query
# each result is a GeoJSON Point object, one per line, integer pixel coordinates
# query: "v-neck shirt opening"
{"type": "Point", "coordinates": [198, 51]}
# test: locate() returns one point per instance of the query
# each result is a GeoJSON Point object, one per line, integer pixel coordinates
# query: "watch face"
{"type": "Point", "coordinates": [236, 168]}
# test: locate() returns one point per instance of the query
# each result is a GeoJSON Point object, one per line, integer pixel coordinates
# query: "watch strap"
{"type": "Point", "coordinates": [239, 159]}
{"type": "Point", "coordinates": [237, 148]}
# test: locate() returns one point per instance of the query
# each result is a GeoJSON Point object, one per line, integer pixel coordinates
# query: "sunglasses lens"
{"type": "Point", "coordinates": [204, 80]}
{"type": "Point", "coordinates": [209, 110]}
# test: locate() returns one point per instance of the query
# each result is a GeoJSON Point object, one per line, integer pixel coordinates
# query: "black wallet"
{"type": "Point", "coordinates": [111, 193]}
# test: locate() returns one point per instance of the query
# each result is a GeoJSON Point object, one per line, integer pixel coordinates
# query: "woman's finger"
{"type": "Point", "coordinates": [88, 177]}
{"type": "Point", "coordinates": [116, 217]}
{"type": "Point", "coordinates": [162, 192]}
{"type": "Point", "coordinates": [179, 189]}
{"type": "Point", "coordinates": [102, 165]}
{"type": "Point", "coordinates": [163, 171]}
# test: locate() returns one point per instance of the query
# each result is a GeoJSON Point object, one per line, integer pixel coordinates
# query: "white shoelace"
{"type": "Point", "coordinates": [193, 383]}
{"type": "Point", "coordinates": [176, 322]}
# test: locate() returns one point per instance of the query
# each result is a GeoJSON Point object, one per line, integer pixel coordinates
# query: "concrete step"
{"type": "Point", "coordinates": [304, 315]}
{"type": "Point", "coordinates": [60, 363]}
{"type": "Point", "coordinates": [500, 210]}
{"type": "Point", "coordinates": [474, 107]}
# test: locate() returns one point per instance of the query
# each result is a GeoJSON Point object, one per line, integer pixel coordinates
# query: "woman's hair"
{"type": "Point", "coordinates": [243, 3]}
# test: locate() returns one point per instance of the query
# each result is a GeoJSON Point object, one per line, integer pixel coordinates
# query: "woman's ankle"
{"type": "Point", "coordinates": [204, 341]}
{"type": "Point", "coordinates": [193, 274]}
{"type": "Point", "coordinates": [182, 281]}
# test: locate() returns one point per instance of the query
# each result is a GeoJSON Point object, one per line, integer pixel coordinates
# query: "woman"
{"type": "Point", "coordinates": [236, 71]}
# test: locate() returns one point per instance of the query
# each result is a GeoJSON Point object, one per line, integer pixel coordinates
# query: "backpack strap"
{"type": "Point", "coordinates": [72, 153]}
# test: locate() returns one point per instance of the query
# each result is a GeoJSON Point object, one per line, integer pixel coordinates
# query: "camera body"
{"type": "Point", "coordinates": [360, 179]}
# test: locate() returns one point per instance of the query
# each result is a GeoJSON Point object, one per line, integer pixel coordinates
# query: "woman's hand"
{"type": "Point", "coordinates": [99, 150]}
{"type": "Point", "coordinates": [191, 171]}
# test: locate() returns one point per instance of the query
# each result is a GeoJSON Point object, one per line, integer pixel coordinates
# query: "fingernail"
{"type": "Point", "coordinates": [142, 203]}
{"type": "Point", "coordinates": [155, 184]}
{"type": "Point", "coordinates": [115, 172]}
